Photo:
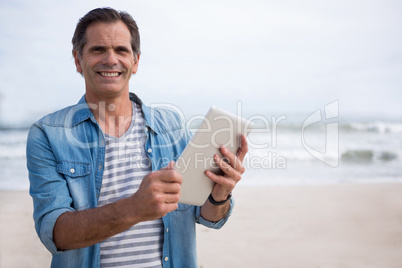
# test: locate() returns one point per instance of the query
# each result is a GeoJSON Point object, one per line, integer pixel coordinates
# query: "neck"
{"type": "Point", "coordinates": [113, 115]}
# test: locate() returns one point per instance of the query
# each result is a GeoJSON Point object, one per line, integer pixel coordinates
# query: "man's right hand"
{"type": "Point", "coordinates": [158, 194]}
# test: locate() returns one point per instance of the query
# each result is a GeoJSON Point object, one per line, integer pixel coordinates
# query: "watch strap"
{"type": "Point", "coordinates": [216, 203]}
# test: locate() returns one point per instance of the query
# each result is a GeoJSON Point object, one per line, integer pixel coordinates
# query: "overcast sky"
{"type": "Point", "coordinates": [276, 57]}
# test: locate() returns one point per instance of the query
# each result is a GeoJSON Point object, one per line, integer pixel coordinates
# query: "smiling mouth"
{"type": "Point", "coordinates": [107, 74]}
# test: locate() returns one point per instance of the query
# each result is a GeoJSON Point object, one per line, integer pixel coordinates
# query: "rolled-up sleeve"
{"type": "Point", "coordinates": [214, 225]}
{"type": "Point", "coordinates": [48, 188]}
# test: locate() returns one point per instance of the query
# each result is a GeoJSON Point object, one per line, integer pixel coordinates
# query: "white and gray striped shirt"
{"type": "Point", "coordinates": [126, 164]}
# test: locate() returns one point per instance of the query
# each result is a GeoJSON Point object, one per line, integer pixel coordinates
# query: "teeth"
{"type": "Point", "coordinates": [110, 74]}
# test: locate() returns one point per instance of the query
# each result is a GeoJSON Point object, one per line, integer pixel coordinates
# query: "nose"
{"type": "Point", "coordinates": [110, 58]}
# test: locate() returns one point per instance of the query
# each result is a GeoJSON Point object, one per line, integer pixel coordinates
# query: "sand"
{"type": "Point", "coordinates": [19, 245]}
{"type": "Point", "coordinates": [341, 226]}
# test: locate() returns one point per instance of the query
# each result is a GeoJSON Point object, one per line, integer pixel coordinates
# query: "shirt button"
{"type": "Point", "coordinates": [72, 170]}
{"type": "Point", "coordinates": [149, 150]}
{"type": "Point", "coordinates": [166, 258]}
{"type": "Point", "coordinates": [167, 230]}
{"type": "Point", "coordinates": [100, 167]}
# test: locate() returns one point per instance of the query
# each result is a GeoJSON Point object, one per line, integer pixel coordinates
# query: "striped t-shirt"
{"type": "Point", "coordinates": [126, 164]}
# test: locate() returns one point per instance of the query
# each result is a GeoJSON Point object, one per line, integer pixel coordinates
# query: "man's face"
{"type": "Point", "coordinates": [107, 60]}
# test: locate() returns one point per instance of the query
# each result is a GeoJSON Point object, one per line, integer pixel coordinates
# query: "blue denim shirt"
{"type": "Point", "coordinates": [65, 159]}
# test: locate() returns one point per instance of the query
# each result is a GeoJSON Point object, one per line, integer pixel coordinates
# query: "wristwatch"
{"type": "Point", "coordinates": [211, 199]}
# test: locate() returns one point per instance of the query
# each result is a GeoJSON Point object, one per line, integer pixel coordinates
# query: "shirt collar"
{"type": "Point", "coordinates": [83, 112]}
{"type": "Point", "coordinates": [149, 114]}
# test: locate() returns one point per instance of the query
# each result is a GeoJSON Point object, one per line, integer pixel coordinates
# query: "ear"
{"type": "Point", "coordinates": [77, 61]}
{"type": "Point", "coordinates": [136, 60]}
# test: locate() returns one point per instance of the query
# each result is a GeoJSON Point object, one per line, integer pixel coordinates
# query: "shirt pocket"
{"type": "Point", "coordinates": [77, 177]}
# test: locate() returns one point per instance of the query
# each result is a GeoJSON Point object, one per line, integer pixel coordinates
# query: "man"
{"type": "Point", "coordinates": [102, 196]}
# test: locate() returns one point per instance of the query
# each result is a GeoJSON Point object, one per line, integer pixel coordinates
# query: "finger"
{"type": "Point", "coordinates": [171, 198]}
{"type": "Point", "coordinates": [171, 207]}
{"type": "Point", "coordinates": [168, 175]}
{"type": "Point", "coordinates": [163, 209]}
{"type": "Point", "coordinates": [233, 160]}
{"type": "Point", "coordinates": [243, 149]}
{"type": "Point", "coordinates": [226, 183]}
{"type": "Point", "coordinates": [171, 188]}
{"type": "Point", "coordinates": [227, 168]}
{"type": "Point", "coordinates": [170, 165]}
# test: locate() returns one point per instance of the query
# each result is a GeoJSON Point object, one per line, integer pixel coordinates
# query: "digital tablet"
{"type": "Point", "coordinates": [217, 128]}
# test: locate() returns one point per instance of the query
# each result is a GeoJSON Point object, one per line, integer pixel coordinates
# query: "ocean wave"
{"type": "Point", "coordinates": [353, 156]}
{"type": "Point", "coordinates": [372, 127]}
{"type": "Point", "coordinates": [13, 144]}
{"type": "Point", "coordinates": [377, 127]}
{"type": "Point", "coordinates": [12, 151]}
{"type": "Point", "coordinates": [367, 156]}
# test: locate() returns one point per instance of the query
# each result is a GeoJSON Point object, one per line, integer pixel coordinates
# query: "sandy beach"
{"type": "Point", "coordinates": [341, 226]}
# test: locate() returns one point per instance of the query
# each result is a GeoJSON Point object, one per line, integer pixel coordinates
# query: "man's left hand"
{"type": "Point", "coordinates": [232, 168]}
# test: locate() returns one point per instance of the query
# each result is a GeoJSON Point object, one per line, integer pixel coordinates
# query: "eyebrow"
{"type": "Point", "coordinates": [96, 47]}
{"type": "Point", "coordinates": [120, 47]}
{"type": "Point", "coordinates": [125, 48]}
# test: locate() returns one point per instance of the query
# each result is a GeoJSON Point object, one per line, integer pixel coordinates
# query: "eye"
{"type": "Point", "coordinates": [98, 49]}
{"type": "Point", "coordinates": [122, 50]}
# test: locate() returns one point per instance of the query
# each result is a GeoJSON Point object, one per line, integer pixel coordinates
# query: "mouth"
{"type": "Point", "coordinates": [109, 74]}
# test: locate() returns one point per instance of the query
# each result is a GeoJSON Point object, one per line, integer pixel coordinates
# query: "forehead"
{"type": "Point", "coordinates": [115, 33]}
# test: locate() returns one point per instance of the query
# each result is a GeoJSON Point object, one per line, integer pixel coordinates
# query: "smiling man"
{"type": "Point", "coordinates": [102, 196]}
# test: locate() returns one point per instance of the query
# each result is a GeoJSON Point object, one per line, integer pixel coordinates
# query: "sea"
{"type": "Point", "coordinates": [282, 151]}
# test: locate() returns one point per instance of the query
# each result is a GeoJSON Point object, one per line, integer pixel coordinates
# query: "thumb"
{"type": "Point", "coordinates": [170, 165]}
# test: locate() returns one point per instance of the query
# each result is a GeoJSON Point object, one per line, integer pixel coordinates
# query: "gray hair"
{"type": "Point", "coordinates": [106, 15]}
